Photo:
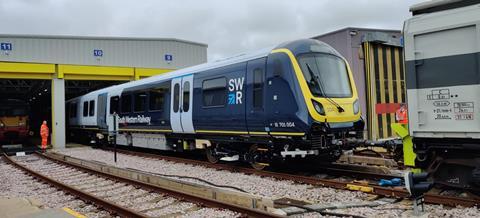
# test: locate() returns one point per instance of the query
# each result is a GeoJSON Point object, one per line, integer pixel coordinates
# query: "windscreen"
{"type": "Point", "coordinates": [326, 75]}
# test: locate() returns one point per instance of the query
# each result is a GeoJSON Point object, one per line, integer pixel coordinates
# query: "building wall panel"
{"type": "Point", "coordinates": [128, 52]}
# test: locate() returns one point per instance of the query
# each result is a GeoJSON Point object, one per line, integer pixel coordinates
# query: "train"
{"type": "Point", "coordinates": [294, 100]}
{"type": "Point", "coordinates": [442, 50]}
{"type": "Point", "coordinates": [14, 121]}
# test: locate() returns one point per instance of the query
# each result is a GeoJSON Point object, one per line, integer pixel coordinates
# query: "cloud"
{"type": "Point", "coordinates": [228, 27]}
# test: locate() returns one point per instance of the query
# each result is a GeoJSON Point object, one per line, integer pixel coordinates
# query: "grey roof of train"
{"type": "Point", "coordinates": [440, 5]}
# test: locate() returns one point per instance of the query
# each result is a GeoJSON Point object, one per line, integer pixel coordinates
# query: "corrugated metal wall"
{"type": "Point", "coordinates": [385, 82]}
{"type": "Point", "coordinates": [128, 52]}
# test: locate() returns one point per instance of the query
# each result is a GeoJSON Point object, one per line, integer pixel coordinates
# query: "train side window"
{"type": "Point", "coordinates": [258, 88]}
{"type": "Point", "coordinates": [156, 99]}
{"type": "Point", "coordinates": [277, 67]}
{"type": "Point", "coordinates": [91, 108]}
{"type": "Point", "coordinates": [85, 108]}
{"type": "Point", "coordinates": [186, 96]}
{"type": "Point", "coordinates": [140, 102]}
{"type": "Point", "coordinates": [214, 92]}
{"type": "Point", "coordinates": [176, 97]}
{"type": "Point", "coordinates": [126, 103]}
{"type": "Point", "coordinates": [114, 104]}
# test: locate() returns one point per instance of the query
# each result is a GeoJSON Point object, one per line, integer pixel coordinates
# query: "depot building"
{"type": "Point", "coordinates": [44, 71]}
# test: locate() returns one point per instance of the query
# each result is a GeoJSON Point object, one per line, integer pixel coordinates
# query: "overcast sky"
{"type": "Point", "coordinates": [228, 27]}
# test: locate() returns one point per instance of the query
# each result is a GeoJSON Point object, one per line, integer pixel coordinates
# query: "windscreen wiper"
{"type": "Point", "coordinates": [318, 81]}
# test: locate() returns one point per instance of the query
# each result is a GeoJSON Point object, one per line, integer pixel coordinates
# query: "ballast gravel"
{"type": "Point", "coordinates": [269, 187]}
{"type": "Point", "coordinates": [404, 209]}
{"type": "Point", "coordinates": [263, 186]}
{"type": "Point", "coordinates": [176, 209]}
{"type": "Point", "coordinates": [137, 199]}
{"type": "Point", "coordinates": [206, 212]}
{"type": "Point", "coordinates": [14, 183]}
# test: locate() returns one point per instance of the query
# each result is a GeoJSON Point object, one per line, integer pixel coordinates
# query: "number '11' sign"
{"type": "Point", "coordinates": [6, 46]}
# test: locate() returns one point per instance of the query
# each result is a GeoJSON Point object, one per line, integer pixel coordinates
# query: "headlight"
{"type": "Point", "coordinates": [356, 107]}
{"type": "Point", "coordinates": [318, 107]}
{"type": "Point", "coordinates": [2, 125]}
{"type": "Point", "coordinates": [21, 124]}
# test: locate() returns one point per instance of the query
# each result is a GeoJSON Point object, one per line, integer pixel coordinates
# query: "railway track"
{"type": "Point", "coordinates": [16, 184]}
{"type": "Point", "coordinates": [124, 197]}
{"type": "Point", "coordinates": [396, 192]}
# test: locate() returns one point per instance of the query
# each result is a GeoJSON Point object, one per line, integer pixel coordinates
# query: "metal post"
{"type": "Point", "coordinates": [418, 209]}
{"type": "Point", "coordinates": [115, 137]}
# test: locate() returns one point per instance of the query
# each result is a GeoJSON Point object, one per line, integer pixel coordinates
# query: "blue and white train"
{"type": "Point", "coordinates": [295, 100]}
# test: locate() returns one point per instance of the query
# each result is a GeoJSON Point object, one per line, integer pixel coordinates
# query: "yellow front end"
{"type": "Point", "coordinates": [331, 112]}
{"type": "Point", "coordinates": [14, 121]}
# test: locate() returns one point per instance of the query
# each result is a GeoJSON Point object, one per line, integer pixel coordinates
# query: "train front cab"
{"type": "Point", "coordinates": [14, 121]}
{"type": "Point", "coordinates": [311, 100]}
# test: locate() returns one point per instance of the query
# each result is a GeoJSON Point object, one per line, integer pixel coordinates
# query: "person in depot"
{"type": "Point", "coordinates": [402, 115]}
{"type": "Point", "coordinates": [44, 132]}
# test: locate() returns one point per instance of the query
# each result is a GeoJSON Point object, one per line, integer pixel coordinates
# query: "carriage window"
{"type": "Point", "coordinates": [114, 104]}
{"type": "Point", "coordinates": [157, 99]}
{"type": "Point", "coordinates": [214, 92]}
{"type": "Point", "coordinates": [277, 68]}
{"type": "Point", "coordinates": [126, 103]}
{"type": "Point", "coordinates": [176, 97]}
{"type": "Point", "coordinates": [186, 96]}
{"type": "Point", "coordinates": [140, 102]}
{"type": "Point", "coordinates": [85, 108]}
{"type": "Point", "coordinates": [91, 112]}
{"type": "Point", "coordinates": [258, 88]}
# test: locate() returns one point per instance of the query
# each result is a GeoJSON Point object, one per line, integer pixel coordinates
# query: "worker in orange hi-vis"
{"type": "Point", "coordinates": [402, 114]}
{"type": "Point", "coordinates": [44, 132]}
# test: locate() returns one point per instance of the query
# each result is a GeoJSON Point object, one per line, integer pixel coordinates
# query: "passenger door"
{"type": "Point", "coordinates": [181, 105]}
{"type": "Point", "coordinates": [102, 110]}
{"type": "Point", "coordinates": [255, 111]}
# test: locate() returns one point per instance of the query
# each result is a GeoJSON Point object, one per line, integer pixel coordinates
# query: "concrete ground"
{"type": "Point", "coordinates": [30, 208]}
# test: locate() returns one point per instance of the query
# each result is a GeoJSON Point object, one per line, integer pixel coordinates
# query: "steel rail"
{"type": "Point", "coordinates": [107, 205]}
{"type": "Point", "coordinates": [396, 192]}
{"type": "Point", "coordinates": [180, 195]}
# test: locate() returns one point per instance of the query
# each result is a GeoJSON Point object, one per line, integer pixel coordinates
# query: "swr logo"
{"type": "Point", "coordinates": [235, 86]}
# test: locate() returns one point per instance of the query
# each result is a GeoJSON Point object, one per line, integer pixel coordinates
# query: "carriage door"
{"type": "Point", "coordinates": [102, 110]}
{"type": "Point", "coordinates": [255, 112]}
{"type": "Point", "coordinates": [181, 105]}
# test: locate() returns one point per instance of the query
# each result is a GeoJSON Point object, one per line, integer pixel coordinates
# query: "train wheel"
{"type": "Point", "coordinates": [253, 155]}
{"type": "Point", "coordinates": [211, 157]}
